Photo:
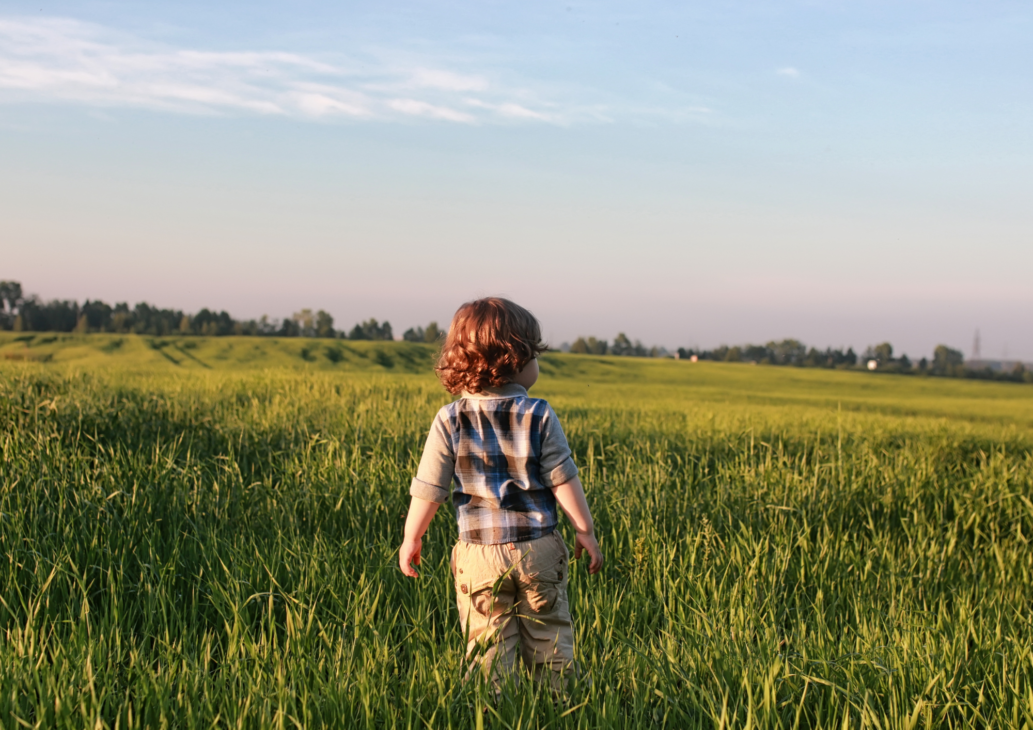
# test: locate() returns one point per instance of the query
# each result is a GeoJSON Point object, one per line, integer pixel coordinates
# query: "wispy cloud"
{"type": "Point", "coordinates": [436, 79]}
{"type": "Point", "coordinates": [789, 71]}
{"type": "Point", "coordinates": [508, 109]}
{"type": "Point", "coordinates": [60, 59]}
{"type": "Point", "coordinates": [416, 108]}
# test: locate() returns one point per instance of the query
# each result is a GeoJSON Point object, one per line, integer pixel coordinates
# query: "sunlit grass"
{"type": "Point", "coordinates": [217, 548]}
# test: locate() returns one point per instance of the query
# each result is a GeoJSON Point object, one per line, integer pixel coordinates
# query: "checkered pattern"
{"type": "Point", "coordinates": [506, 452]}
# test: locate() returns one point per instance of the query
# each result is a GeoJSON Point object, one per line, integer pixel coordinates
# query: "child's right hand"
{"type": "Point", "coordinates": [421, 511]}
{"type": "Point", "coordinates": [409, 555]}
{"type": "Point", "coordinates": [587, 542]}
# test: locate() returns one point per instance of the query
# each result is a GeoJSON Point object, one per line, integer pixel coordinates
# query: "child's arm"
{"type": "Point", "coordinates": [571, 497]}
{"type": "Point", "coordinates": [421, 511]}
{"type": "Point", "coordinates": [428, 490]}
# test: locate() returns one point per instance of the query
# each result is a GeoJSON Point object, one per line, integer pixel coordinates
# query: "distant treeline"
{"type": "Point", "coordinates": [946, 362]}
{"type": "Point", "coordinates": [31, 314]}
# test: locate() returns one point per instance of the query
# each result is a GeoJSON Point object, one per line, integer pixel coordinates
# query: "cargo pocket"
{"type": "Point", "coordinates": [484, 600]}
{"type": "Point", "coordinates": [542, 590]}
{"type": "Point", "coordinates": [546, 569]}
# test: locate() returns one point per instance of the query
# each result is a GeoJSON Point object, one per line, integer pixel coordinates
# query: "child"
{"type": "Point", "coordinates": [511, 465]}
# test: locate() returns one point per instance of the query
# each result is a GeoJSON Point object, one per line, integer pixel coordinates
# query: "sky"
{"type": "Point", "coordinates": [692, 174]}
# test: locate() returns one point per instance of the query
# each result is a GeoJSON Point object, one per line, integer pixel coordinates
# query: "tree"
{"type": "Point", "coordinates": [306, 322]}
{"type": "Point", "coordinates": [883, 353]}
{"type": "Point", "coordinates": [787, 352]}
{"type": "Point", "coordinates": [622, 345]}
{"type": "Point", "coordinates": [10, 303]}
{"type": "Point", "coordinates": [207, 322]}
{"type": "Point", "coordinates": [120, 318]}
{"type": "Point", "coordinates": [756, 353]}
{"type": "Point", "coordinates": [371, 330]}
{"type": "Point", "coordinates": [266, 326]}
{"type": "Point", "coordinates": [590, 346]}
{"type": "Point", "coordinates": [53, 316]}
{"type": "Point", "coordinates": [417, 334]}
{"type": "Point", "coordinates": [324, 324]}
{"type": "Point", "coordinates": [433, 333]}
{"type": "Point", "coordinates": [98, 315]}
{"type": "Point", "coordinates": [947, 361]}
{"type": "Point", "coordinates": [289, 328]}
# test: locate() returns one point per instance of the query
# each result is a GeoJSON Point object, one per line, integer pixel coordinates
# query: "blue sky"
{"type": "Point", "coordinates": [691, 174]}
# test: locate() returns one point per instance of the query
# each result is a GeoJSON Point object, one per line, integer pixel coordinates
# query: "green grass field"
{"type": "Point", "coordinates": [202, 533]}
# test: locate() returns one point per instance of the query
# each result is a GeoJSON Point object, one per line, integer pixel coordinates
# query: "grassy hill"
{"type": "Point", "coordinates": [141, 352]}
{"type": "Point", "coordinates": [647, 383]}
{"type": "Point", "coordinates": [672, 384]}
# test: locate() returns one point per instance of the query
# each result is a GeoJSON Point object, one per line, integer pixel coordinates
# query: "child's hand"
{"type": "Point", "coordinates": [571, 498]}
{"type": "Point", "coordinates": [410, 553]}
{"type": "Point", "coordinates": [420, 513]}
{"type": "Point", "coordinates": [587, 541]}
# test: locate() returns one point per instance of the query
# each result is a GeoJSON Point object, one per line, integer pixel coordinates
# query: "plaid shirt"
{"type": "Point", "coordinates": [506, 452]}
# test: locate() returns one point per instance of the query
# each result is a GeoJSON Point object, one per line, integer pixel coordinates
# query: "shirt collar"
{"type": "Point", "coordinates": [509, 390]}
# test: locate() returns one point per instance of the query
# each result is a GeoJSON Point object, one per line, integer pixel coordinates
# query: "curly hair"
{"type": "Point", "coordinates": [489, 341]}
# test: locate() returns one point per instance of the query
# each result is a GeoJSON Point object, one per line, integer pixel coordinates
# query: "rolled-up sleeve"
{"type": "Point", "coordinates": [433, 479]}
{"type": "Point", "coordinates": [557, 465]}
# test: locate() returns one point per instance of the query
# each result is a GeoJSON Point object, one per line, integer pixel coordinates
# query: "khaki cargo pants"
{"type": "Point", "coordinates": [513, 598]}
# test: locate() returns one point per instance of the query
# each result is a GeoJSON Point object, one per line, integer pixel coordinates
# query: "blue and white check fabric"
{"type": "Point", "coordinates": [505, 452]}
